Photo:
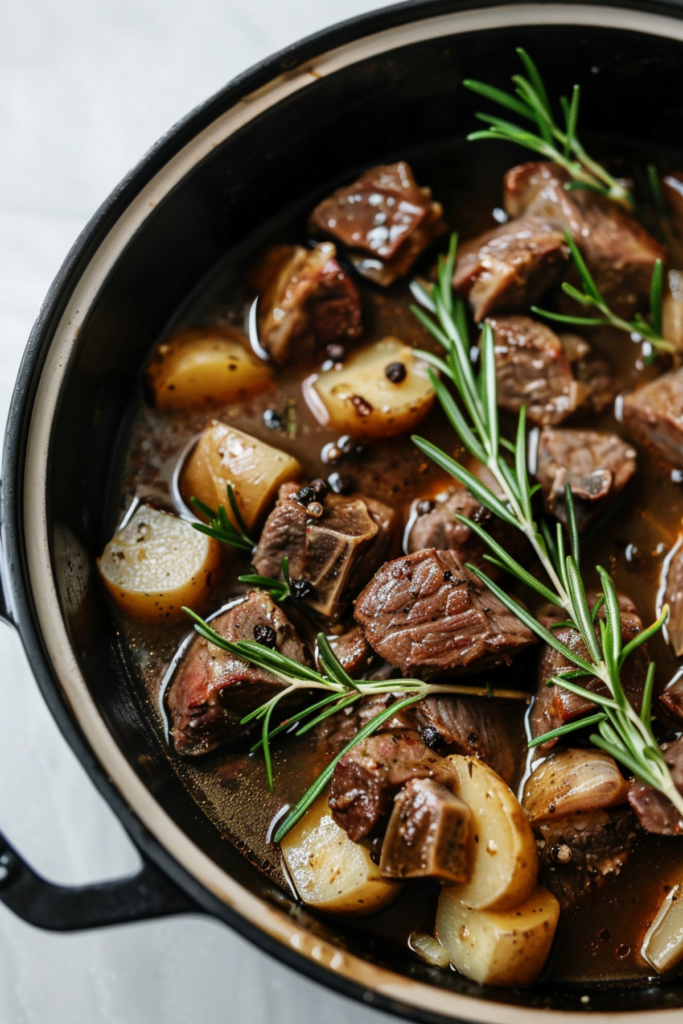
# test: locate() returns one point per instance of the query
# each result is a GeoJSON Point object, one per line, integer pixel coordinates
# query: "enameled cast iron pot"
{"type": "Point", "coordinates": [366, 92]}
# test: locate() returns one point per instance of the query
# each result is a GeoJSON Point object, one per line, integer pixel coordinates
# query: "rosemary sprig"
{"type": "Point", "coordinates": [279, 590]}
{"type": "Point", "coordinates": [220, 527]}
{"type": "Point", "coordinates": [591, 297]}
{"type": "Point", "coordinates": [557, 143]}
{"type": "Point", "coordinates": [621, 730]}
{"type": "Point", "coordinates": [341, 691]}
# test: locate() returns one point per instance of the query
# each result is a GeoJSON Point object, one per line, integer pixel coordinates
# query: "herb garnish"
{"type": "Point", "coordinates": [622, 731]}
{"type": "Point", "coordinates": [650, 331]}
{"type": "Point", "coordinates": [561, 145]}
{"type": "Point", "coordinates": [220, 527]}
{"type": "Point", "coordinates": [279, 590]}
{"type": "Point", "coordinates": [342, 691]}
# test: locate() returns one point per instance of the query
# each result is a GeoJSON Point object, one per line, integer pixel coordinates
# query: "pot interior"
{"type": "Point", "coordinates": [385, 107]}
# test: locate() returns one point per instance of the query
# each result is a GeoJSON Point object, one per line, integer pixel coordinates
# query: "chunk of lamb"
{"type": "Point", "coordinates": [655, 811]}
{"type": "Point", "coordinates": [354, 653]}
{"type": "Point", "coordinates": [427, 835]}
{"type": "Point", "coordinates": [619, 252]}
{"type": "Point", "coordinates": [212, 690]}
{"type": "Point", "coordinates": [425, 614]}
{"type": "Point", "coordinates": [672, 581]}
{"type": "Point", "coordinates": [554, 706]}
{"type": "Point", "coordinates": [575, 801]}
{"type": "Point", "coordinates": [596, 465]}
{"type": "Point", "coordinates": [432, 523]}
{"type": "Point", "coordinates": [473, 726]}
{"type": "Point", "coordinates": [384, 219]}
{"type": "Point", "coordinates": [335, 553]}
{"type": "Point", "coordinates": [551, 375]}
{"type": "Point", "coordinates": [653, 415]}
{"type": "Point", "coordinates": [510, 267]}
{"type": "Point", "coordinates": [306, 302]}
{"type": "Point", "coordinates": [367, 778]}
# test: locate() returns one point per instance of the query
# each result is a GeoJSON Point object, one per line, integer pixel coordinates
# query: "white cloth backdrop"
{"type": "Point", "coordinates": [86, 87]}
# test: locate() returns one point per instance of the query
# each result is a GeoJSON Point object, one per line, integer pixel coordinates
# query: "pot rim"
{"type": "Point", "coordinates": [24, 528]}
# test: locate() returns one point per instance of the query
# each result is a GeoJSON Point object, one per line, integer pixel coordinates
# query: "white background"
{"type": "Point", "coordinates": [86, 87]}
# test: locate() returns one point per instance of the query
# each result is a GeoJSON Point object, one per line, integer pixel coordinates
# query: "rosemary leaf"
{"type": "Point", "coordinates": [475, 486]}
{"type": "Point", "coordinates": [562, 730]}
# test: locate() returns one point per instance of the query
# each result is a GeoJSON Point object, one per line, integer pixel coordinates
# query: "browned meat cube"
{"type": "Point", "coordinates": [385, 219]}
{"type": "Point", "coordinates": [552, 376]}
{"type": "Point", "coordinates": [596, 465]}
{"type": "Point", "coordinates": [425, 614]}
{"type": "Point", "coordinates": [578, 853]}
{"type": "Point", "coordinates": [653, 415]}
{"type": "Point", "coordinates": [336, 552]}
{"type": "Point", "coordinates": [213, 690]}
{"type": "Point", "coordinates": [618, 251]}
{"type": "Point", "coordinates": [554, 706]}
{"type": "Point", "coordinates": [672, 697]}
{"type": "Point", "coordinates": [306, 302]}
{"type": "Point", "coordinates": [432, 523]}
{"type": "Point", "coordinates": [366, 780]}
{"type": "Point", "coordinates": [473, 726]}
{"type": "Point", "coordinates": [427, 835]}
{"type": "Point", "coordinates": [333, 733]}
{"type": "Point", "coordinates": [655, 811]}
{"type": "Point", "coordinates": [673, 596]}
{"type": "Point", "coordinates": [354, 652]}
{"type": "Point", "coordinates": [511, 266]}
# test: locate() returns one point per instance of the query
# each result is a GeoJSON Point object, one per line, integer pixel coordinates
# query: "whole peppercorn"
{"type": "Point", "coordinates": [336, 352]}
{"type": "Point", "coordinates": [321, 488]}
{"type": "Point", "coordinates": [396, 372]}
{"type": "Point", "coordinates": [301, 589]}
{"type": "Point", "coordinates": [272, 419]}
{"type": "Point", "coordinates": [265, 635]}
{"type": "Point", "coordinates": [306, 495]}
{"type": "Point", "coordinates": [315, 509]}
{"type": "Point", "coordinates": [349, 446]}
{"type": "Point", "coordinates": [339, 484]}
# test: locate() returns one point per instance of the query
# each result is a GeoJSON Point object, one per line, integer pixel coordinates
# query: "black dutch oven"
{"type": "Point", "coordinates": [365, 92]}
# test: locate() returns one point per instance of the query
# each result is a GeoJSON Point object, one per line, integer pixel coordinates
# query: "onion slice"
{"type": "Point", "coordinates": [573, 781]}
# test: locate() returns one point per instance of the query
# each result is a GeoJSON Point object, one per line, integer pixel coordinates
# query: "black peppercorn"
{"type": "Point", "coordinates": [396, 372]}
{"type": "Point", "coordinates": [272, 419]}
{"type": "Point", "coordinates": [306, 495]}
{"type": "Point", "coordinates": [320, 488]}
{"type": "Point", "coordinates": [339, 484]}
{"type": "Point", "coordinates": [335, 352]}
{"type": "Point", "coordinates": [430, 736]}
{"type": "Point", "coordinates": [349, 446]}
{"type": "Point", "coordinates": [265, 635]}
{"type": "Point", "coordinates": [301, 589]}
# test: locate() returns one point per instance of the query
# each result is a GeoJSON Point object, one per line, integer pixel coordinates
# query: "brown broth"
{"type": "Point", "coordinates": [597, 940]}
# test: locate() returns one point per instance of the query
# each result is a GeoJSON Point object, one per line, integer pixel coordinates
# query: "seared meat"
{"type": "Point", "coordinates": [425, 614]}
{"type": "Point", "coordinates": [213, 690]}
{"type": "Point", "coordinates": [535, 368]}
{"type": "Point", "coordinates": [653, 415]}
{"type": "Point", "coordinates": [432, 524]}
{"type": "Point", "coordinates": [553, 706]}
{"type": "Point", "coordinates": [655, 811]}
{"type": "Point", "coordinates": [673, 596]}
{"type": "Point", "coordinates": [511, 266]}
{"type": "Point", "coordinates": [353, 651]}
{"type": "Point", "coordinates": [333, 733]}
{"type": "Point", "coordinates": [306, 302]}
{"type": "Point", "coordinates": [672, 698]}
{"type": "Point", "coordinates": [384, 218]}
{"type": "Point", "coordinates": [427, 835]}
{"type": "Point", "coordinates": [596, 465]}
{"type": "Point", "coordinates": [366, 780]}
{"type": "Point", "coordinates": [336, 552]}
{"type": "Point", "coordinates": [472, 726]}
{"type": "Point", "coordinates": [618, 251]}
{"type": "Point", "coordinates": [579, 852]}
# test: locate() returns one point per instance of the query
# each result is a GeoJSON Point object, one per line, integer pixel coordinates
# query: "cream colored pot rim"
{"type": "Point", "coordinates": [277, 924]}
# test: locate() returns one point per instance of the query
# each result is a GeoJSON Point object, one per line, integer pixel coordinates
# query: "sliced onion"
{"type": "Point", "coordinates": [428, 949]}
{"type": "Point", "coordinates": [572, 781]}
{"type": "Point", "coordinates": [663, 943]}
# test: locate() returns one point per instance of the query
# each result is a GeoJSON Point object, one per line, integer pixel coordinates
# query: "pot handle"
{"type": "Point", "coordinates": [147, 894]}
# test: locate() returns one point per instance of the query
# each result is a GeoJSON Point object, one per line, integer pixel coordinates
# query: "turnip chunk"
{"type": "Point", "coordinates": [204, 368]}
{"type": "Point", "coordinates": [497, 947]}
{"type": "Point", "coordinates": [156, 564]}
{"type": "Point", "coordinates": [572, 781]}
{"type": "Point", "coordinates": [224, 455]}
{"type": "Point", "coordinates": [663, 943]}
{"type": "Point", "coordinates": [378, 391]}
{"type": "Point", "coordinates": [502, 853]}
{"type": "Point", "coordinates": [329, 870]}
